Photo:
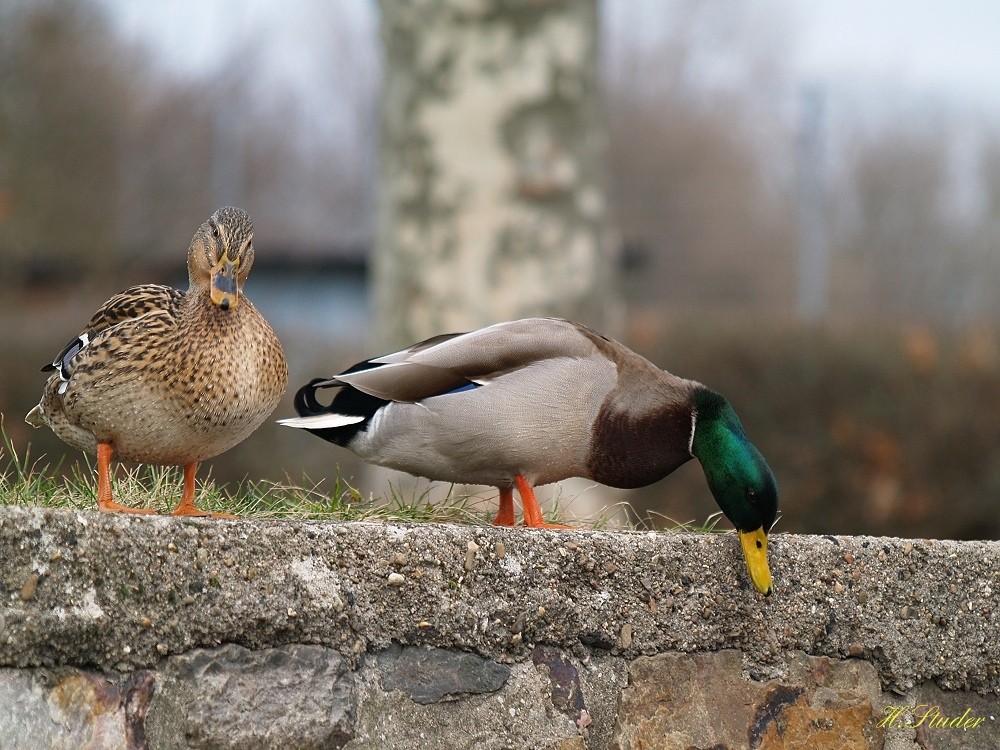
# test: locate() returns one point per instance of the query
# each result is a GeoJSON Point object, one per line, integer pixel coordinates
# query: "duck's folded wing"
{"type": "Point", "coordinates": [134, 302]}
{"type": "Point", "coordinates": [489, 352]}
{"type": "Point", "coordinates": [404, 381]}
{"type": "Point", "coordinates": [154, 304]}
{"type": "Point", "coordinates": [451, 362]}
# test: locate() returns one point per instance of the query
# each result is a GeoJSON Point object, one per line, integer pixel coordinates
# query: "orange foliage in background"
{"type": "Point", "coordinates": [890, 432]}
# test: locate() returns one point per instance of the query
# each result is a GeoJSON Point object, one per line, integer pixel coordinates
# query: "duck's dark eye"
{"type": "Point", "coordinates": [752, 496]}
{"type": "Point", "coordinates": [215, 233]}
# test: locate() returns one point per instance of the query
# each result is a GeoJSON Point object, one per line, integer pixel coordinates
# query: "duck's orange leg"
{"type": "Point", "coordinates": [532, 511]}
{"type": "Point", "coordinates": [104, 501]}
{"type": "Point", "coordinates": [186, 506]}
{"type": "Point", "coordinates": [505, 514]}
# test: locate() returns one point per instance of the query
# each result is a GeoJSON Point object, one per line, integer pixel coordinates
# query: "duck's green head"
{"type": "Point", "coordinates": [739, 478]}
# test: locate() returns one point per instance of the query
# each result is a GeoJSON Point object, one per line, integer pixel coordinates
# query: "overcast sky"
{"type": "Point", "coordinates": [944, 47]}
{"type": "Point", "coordinates": [919, 47]}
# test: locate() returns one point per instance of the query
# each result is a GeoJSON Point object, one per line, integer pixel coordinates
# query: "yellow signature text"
{"type": "Point", "coordinates": [929, 716]}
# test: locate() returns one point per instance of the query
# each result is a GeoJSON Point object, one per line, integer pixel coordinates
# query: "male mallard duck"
{"type": "Point", "coordinates": [535, 401]}
{"type": "Point", "coordinates": [162, 376]}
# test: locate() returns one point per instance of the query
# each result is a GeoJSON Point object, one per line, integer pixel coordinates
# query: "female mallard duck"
{"type": "Point", "coordinates": [535, 401]}
{"type": "Point", "coordinates": [162, 376]}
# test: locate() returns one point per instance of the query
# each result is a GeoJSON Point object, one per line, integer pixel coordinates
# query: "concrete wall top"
{"type": "Point", "coordinates": [121, 592]}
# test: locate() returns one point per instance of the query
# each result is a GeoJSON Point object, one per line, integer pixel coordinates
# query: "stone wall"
{"type": "Point", "coordinates": [136, 632]}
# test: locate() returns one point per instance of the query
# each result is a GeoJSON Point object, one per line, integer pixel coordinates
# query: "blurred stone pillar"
{"type": "Point", "coordinates": [491, 182]}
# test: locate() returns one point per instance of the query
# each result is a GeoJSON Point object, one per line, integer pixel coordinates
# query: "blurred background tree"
{"type": "Point", "coordinates": [60, 136]}
{"type": "Point", "coordinates": [705, 216]}
{"type": "Point", "coordinates": [492, 179]}
{"type": "Point", "coordinates": [122, 128]}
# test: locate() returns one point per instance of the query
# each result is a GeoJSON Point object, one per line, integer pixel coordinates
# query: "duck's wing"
{"type": "Point", "coordinates": [143, 301]}
{"type": "Point", "coordinates": [452, 362]}
{"type": "Point", "coordinates": [135, 302]}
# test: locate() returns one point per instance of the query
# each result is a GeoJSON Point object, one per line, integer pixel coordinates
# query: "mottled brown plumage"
{"type": "Point", "coordinates": [168, 377]}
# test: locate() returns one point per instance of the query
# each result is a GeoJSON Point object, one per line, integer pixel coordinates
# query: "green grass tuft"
{"type": "Point", "coordinates": [28, 481]}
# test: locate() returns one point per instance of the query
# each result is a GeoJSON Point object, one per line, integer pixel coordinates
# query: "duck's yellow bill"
{"type": "Point", "coordinates": [755, 551]}
{"type": "Point", "coordinates": [225, 287]}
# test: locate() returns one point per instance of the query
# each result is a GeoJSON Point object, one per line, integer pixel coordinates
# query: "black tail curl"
{"type": "Point", "coordinates": [306, 403]}
{"type": "Point", "coordinates": [347, 401]}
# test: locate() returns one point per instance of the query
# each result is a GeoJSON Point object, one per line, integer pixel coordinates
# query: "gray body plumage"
{"type": "Point", "coordinates": [534, 401]}
{"type": "Point", "coordinates": [553, 399]}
